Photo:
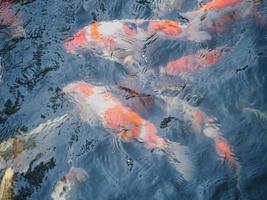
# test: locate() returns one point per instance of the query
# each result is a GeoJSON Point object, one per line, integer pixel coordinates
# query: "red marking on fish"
{"type": "Point", "coordinates": [107, 36]}
{"type": "Point", "coordinates": [168, 27]}
{"type": "Point", "coordinates": [115, 115]}
{"type": "Point", "coordinates": [75, 42]}
{"type": "Point", "coordinates": [224, 150]}
{"type": "Point", "coordinates": [83, 88]}
{"type": "Point", "coordinates": [192, 62]}
{"type": "Point", "coordinates": [220, 4]}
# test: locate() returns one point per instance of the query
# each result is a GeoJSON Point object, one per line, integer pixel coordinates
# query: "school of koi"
{"type": "Point", "coordinates": [101, 105]}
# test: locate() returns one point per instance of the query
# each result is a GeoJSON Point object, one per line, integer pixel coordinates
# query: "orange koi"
{"type": "Point", "coordinates": [114, 115]}
{"type": "Point", "coordinates": [110, 35]}
{"type": "Point", "coordinates": [192, 62]}
{"type": "Point", "coordinates": [122, 40]}
{"type": "Point", "coordinates": [220, 4]}
{"type": "Point", "coordinates": [203, 123]}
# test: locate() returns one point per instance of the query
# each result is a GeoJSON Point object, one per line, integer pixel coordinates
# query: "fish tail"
{"type": "Point", "coordinates": [225, 152]}
{"type": "Point", "coordinates": [151, 138]}
{"type": "Point", "coordinates": [179, 156]}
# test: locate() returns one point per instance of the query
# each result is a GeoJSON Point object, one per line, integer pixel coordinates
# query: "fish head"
{"type": "Point", "coordinates": [90, 37]}
{"type": "Point", "coordinates": [79, 40]}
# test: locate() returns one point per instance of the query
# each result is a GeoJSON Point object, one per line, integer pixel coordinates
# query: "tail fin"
{"type": "Point", "coordinates": [179, 155]}
{"type": "Point", "coordinates": [225, 152]}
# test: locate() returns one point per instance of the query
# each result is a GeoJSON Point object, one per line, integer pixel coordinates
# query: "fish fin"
{"type": "Point", "coordinates": [225, 152]}
{"type": "Point", "coordinates": [77, 174]}
{"type": "Point", "coordinates": [179, 155]}
{"type": "Point", "coordinates": [259, 114]}
{"type": "Point", "coordinates": [193, 30]}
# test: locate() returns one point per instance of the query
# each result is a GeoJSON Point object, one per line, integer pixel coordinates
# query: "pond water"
{"type": "Point", "coordinates": [157, 100]}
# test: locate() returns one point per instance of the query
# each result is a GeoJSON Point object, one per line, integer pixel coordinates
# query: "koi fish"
{"type": "Point", "coordinates": [113, 114]}
{"type": "Point", "coordinates": [19, 151]}
{"type": "Point", "coordinates": [64, 188]}
{"type": "Point", "coordinates": [203, 123]}
{"type": "Point", "coordinates": [6, 188]}
{"type": "Point", "coordinates": [217, 15]}
{"type": "Point", "coordinates": [219, 4]}
{"type": "Point", "coordinates": [192, 62]}
{"type": "Point", "coordinates": [9, 23]}
{"type": "Point", "coordinates": [107, 109]}
{"type": "Point", "coordinates": [122, 40]}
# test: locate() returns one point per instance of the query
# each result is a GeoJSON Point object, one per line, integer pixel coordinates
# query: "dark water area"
{"type": "Point", "coordinates": [51, 143]}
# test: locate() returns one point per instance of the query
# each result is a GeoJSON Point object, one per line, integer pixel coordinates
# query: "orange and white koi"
{"type": "Point", "coordinates": [97, 101]}
{"type": "Point", "coordinates": [64, 188]}
{"type": "Point", "coordinates": [217, 15]}
{"type": "Point", "coordinates": [121, 40]}
{"type": "Point", "coordinates": [193, 62]}
{"type": "Point", "coordinates": [113, 114]}
{"type": "Point", "coordinates": [203, 123]}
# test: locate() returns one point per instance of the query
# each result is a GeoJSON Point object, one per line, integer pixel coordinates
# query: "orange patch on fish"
{"type": "Point", "coordinates": [220, 4]}
{"type": "Point", "coordinates": [211, 57]}
{"type": "Point", "coordinates": [83, 88]}
{"type": "Point", "coordinates": [77, 41]}
{"type": "Point", "coordinates": [95, 33]}
{"type": "Point", "coordinates": [171, 28]}
{"type": "Point", "coordinates": [224, 150]}
{"type": "Point", "coordinates": [199, 118]}
{"type": "Point", "coordinates": [113, 114]}
{"type": "Point", "coordinates": [192, 62]}
{"type": "Point", "coordinates": [123, 120]}
{"type": "Point", "coordinates": [154, 140]}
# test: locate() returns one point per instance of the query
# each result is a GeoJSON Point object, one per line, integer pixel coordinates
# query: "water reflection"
{"type": "Point", "coordinates": [178, 108]}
